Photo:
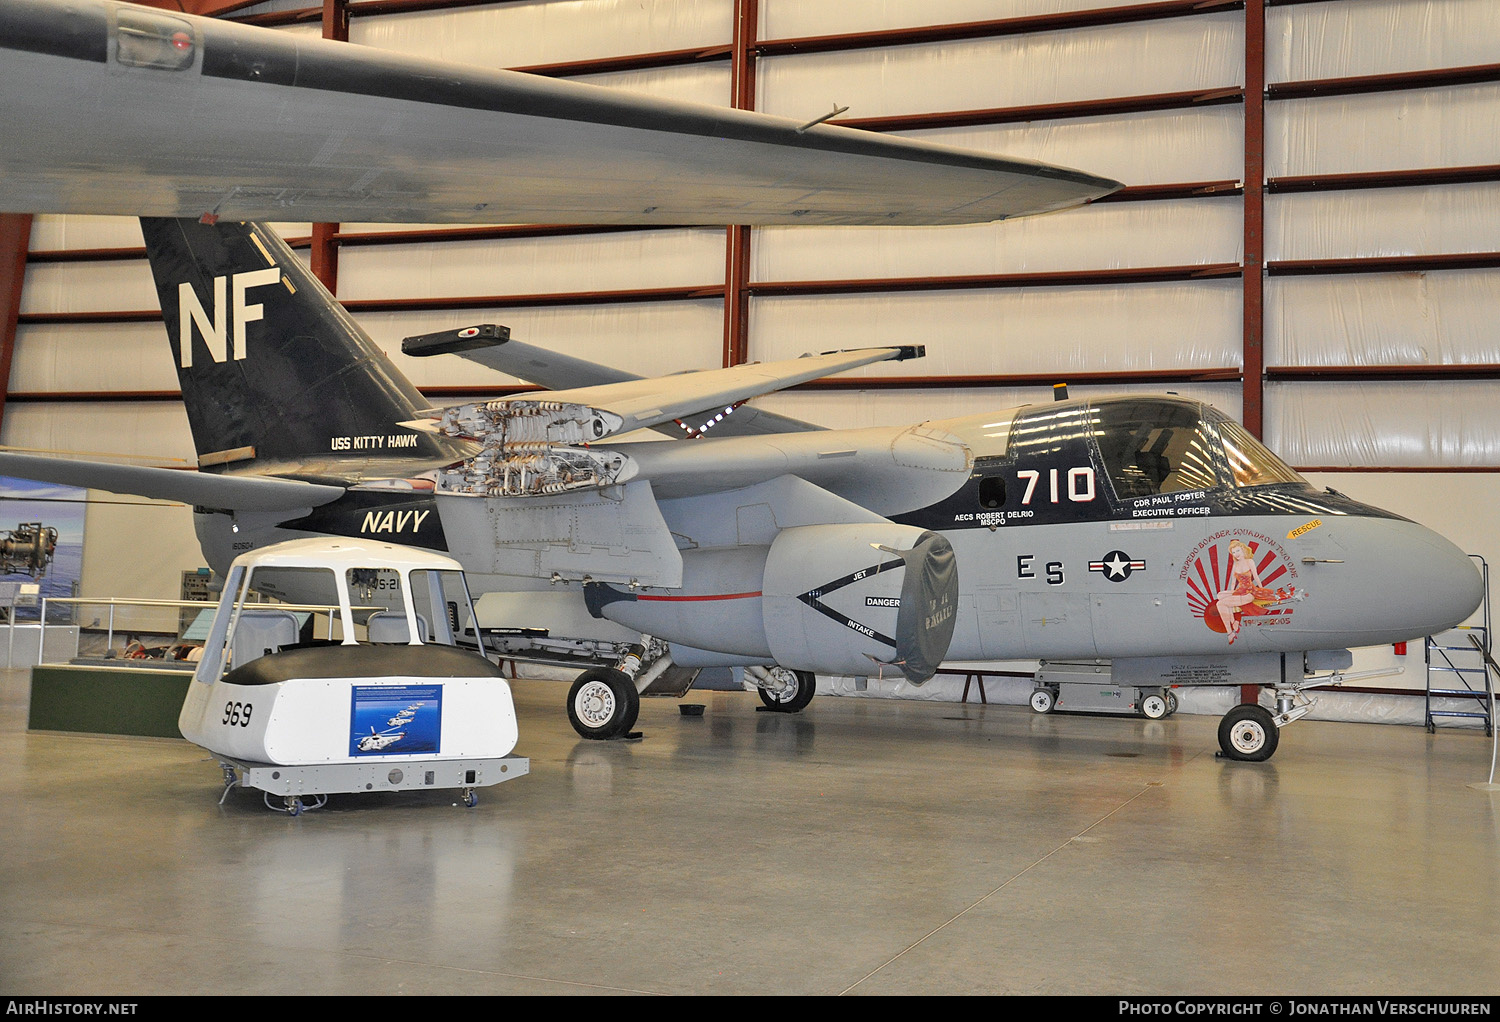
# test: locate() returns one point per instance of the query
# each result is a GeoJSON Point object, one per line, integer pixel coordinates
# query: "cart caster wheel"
{"type": "Point", "coordinates": [471, 799]}
{"type": "Point", "coordinates": [1154, 707]}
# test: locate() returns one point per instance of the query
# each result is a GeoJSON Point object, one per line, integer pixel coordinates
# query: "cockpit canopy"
{"type": "Point", "coordinates": [1154, 445]}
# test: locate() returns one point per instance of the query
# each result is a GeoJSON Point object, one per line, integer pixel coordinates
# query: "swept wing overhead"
{"type": "Point", "coordinates": [540, 425]}
{"type": "Point", "coordinates": [110, 108]}
{"type": "Point", "coordinates": [201, 489]}
{"type": "Point", "coordinates": [491, 345]}
{"type": "Point", "coordinates": [643, 403]}
{"type": "Point", "coordinates": [543, 444]}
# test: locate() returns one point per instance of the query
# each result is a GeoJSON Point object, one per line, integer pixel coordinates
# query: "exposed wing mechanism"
{"type": "Point", "coordinates": [201, 489]}
{"type": "Point", "coordinates": [542, 444]}
{"type": "Point", "coordinates": [111, 108]}
{"type": "Point", "coordinates": [491, 346]}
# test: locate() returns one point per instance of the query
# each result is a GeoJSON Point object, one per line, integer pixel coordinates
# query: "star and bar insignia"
{"type": "Point", "coordinates": [1117, 565]}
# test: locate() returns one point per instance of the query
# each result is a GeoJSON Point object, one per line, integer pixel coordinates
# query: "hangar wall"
{"type": "Point", "coordinates": [1344, 306]}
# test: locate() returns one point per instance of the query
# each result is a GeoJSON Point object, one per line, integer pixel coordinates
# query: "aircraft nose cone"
{"type": "Point", "coordinates": [1433, 583]}
{"type": "Point", "coordinates": [1455, 581]}
{"type": "Point", "coordinates": [1373, 580]}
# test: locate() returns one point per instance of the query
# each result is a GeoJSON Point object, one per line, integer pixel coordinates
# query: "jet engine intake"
{"type": "Point", "coordinates": [853, 599]}
{"type": "Point", "coordinates": [832, 599]}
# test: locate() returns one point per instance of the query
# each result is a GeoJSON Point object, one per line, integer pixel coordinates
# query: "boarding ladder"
{"type": "Point", "coordinates": [1457, 658]}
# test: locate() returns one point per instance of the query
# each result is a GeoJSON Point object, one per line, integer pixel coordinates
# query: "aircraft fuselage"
{"type": "Point", "coordinates": [1110, 529]}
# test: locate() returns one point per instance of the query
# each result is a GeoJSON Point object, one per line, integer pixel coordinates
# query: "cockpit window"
{"type": "Point", "coordinates": [1250, 462]}
{"type": "Point", "coordinates": [1152, 447]}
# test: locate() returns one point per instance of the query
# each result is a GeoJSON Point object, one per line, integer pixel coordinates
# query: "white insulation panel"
{"type": "Point", "coordinates": [1412, 130]}
{"type": "Point", "coordinates": [547, 32]}
{"type": "Point", "coordinates": [1343, 40]}
{"type": "Point", "coordinates": [1173, 55]}
{"type": "Point", "coordinates": [1374, 222]}
{"type": "Point", "coordinates": [521, 266]}
{"type": "Point", "coordinates": [52, 232]}
{"type": "Point", "coordinates": [57, 232]}
{"type": "Point", "coordinates": [154, 430]}
{"type": "Point", "coordinates": [795, 19]}
{"type": "Point", "coordinates": [1185, 232]}
{"type": "Point", "coordinates": [692, 83]}
{"type": "Point", "coordinates": [56, 357]}
{"type": "Point", "coordinates": [648, 338]}
{"type": "Point", "coordinates": [273, 6]}
{"type": "Point", "coordinates": [1154, 147]}
{"type": "Point", "coordinates": [106, 285]}
{"type": "Point", "coordinates": [1450, 423]}
{"type": "Point", "coordinates": [1015, 330]}
{"type": "Point", "coordinates": [1440, 318]}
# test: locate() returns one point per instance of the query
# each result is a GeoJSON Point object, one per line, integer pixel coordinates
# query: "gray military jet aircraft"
{"type": "Point", "coordinates": [1152, 532]}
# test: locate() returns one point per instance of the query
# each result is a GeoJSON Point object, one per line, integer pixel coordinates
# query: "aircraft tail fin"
{"type": "Point", "coordinates": [272, 367]}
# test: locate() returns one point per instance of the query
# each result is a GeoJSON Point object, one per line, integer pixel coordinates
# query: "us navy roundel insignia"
{"type": "Point", "coordinates": [467, 332]}
{"type": "Point", "coordinates": [1117, 565]}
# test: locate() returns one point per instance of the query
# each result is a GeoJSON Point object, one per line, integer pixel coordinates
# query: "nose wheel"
{"type": "Point", "coordinates": [1248, 733]}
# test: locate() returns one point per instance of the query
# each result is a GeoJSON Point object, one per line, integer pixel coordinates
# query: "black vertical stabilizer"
{"type": "Point", "coordinates": [274, 369]}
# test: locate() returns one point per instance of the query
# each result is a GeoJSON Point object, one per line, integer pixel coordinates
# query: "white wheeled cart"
{"type": "Point", "coordinates": [371, 694]}
{"type": "Point", "coordinates": [308, 787]}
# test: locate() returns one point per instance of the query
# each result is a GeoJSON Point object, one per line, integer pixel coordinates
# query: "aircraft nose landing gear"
{"type": "Point", "coordinates": [1248, 733]}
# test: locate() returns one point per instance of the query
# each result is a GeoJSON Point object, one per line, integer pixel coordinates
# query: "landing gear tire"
{"type": "Point", "coordinates": [1248, 733]}
{"type": "Point", "coordinates": [1043, 700]}
{"type": "Point", "coordinates": [603, 704]}
{"type": "Point", "coordinates": [1154, 706]}
{"type": "Point", "coordinates": [794, 697]}
{"type": "Point", "coordinates": [1172, 703]}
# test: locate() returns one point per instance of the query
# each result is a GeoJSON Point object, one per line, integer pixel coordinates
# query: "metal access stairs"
{"type": "Point", "coordinates": [1459, 657]}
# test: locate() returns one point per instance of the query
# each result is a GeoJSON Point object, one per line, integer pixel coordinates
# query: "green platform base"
{"type": "Point", "coordinates": [107, 700]}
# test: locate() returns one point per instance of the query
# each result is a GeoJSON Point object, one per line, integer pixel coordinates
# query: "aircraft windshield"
{"type": "Point", "coordinates": [1250, 462]}
{"type": "Point", "coordinates": [1154, 446]}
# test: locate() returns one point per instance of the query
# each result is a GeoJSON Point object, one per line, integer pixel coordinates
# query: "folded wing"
{"type": "Point", "coordinates": [550, 442]}
{"type": "Point", "coordinates": [491, 346]}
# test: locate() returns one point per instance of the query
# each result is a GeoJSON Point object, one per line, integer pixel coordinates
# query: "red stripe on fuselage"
{"type": "Point", "coordinates": [692, 599]}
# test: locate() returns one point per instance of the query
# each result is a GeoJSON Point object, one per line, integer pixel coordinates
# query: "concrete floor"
{"type": "Point", "coordinates": [862, 847]}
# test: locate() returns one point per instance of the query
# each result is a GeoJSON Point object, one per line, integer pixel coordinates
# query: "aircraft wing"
{"type": "Point", "coordinates": [201, 489]}
{"type": "Point", "coordinates": [490, 346]}
{"type": "Point", "coordinates": [110, 108]}
{"type": "Point", "coordinates": [586, 415]}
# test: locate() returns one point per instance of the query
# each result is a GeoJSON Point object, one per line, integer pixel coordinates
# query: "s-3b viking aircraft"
{"type": "Point", "coordinates": [1151, 532]}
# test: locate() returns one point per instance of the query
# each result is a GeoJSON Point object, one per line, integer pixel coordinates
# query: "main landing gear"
{"type": "Point", "coordinates": [784, 690]}
{"type": "Point", "coordinates": [603, 703]}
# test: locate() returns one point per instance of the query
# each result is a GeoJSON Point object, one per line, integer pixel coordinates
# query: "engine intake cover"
{"type": "Point", "coordinates": [849, 599]}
